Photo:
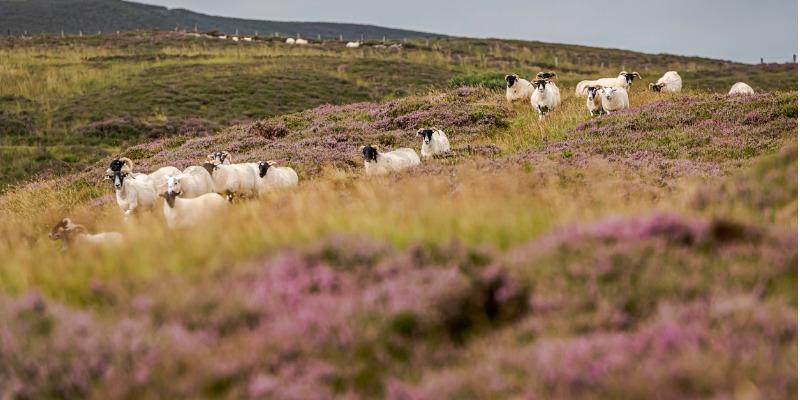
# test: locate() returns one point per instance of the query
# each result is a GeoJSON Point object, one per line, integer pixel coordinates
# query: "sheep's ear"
{"type": "Point", "coordinates": [164, 195]}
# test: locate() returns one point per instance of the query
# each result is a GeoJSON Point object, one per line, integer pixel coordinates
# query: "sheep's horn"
{"type": "Point", "coordinates": [127, 165]}
{"type": "Point", "coordinates": [636, 74]}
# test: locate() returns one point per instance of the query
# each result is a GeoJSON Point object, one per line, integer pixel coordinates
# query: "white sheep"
{"type": "Point", "coordinates": [159, 177]}
{"type": "Point", "coordinates": [614, 99]}
{"type": "Point", "coordinates": [377, 163]}
{"type": "Point", "coordinates": [290, 41]}
{"type": "Point", "coordinates": [233, 179]}
{"type": "Point", "coordinates": [594, 102]}
{"type": "Point", "coordinates": [194, 182]}
{"type": "Point", "coordinates": [546, 97]}
{"type": "Point", "coordinates": [518, 88]}
{"type": "Point", "coordinates": [181, 213]}
{"type": "Point", "coordinates": [434, 142]}
{"type": "Point", "coordinates": [623, 80]}
{"type": "Point", "coordinates": [671, 82]}
{"type": "Point", "coordinates": [71, 234]}
{"type": "Point", "coordinates": [133, 191]}
{"type": "Point", "coordinates": [741, 88]}
{"type": "Point", "coordinates": [272, 177]}
{"type": "Point", "coordinates": [300, 41]}
{"type": "Point", "coordinates": [353, 45]}
{"type": "Point", "coordinates": [247, 39]}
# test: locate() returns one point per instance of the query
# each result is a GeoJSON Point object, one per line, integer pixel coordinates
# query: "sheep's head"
{"type": "Point", "coordinates": [122, 164]}
{"type": "Point", "coordinates": [511, 80]}
{"type": "Point", "coordinates": [370, 153]}
{"type": "Point", "coordinates": [630, 76]}
{"type": "Point", "coordinates": [592, 91]}
{"type": "Point", "coordinates": [264, 166]}
{"type": "Point", "coordinates": [541, 84]}
{"type": "Point", "coordinates": [118, 177]}
{"type": "Point", "coordinates": [609, 92]}
{"type": "Point", "coordinates": [546, 75]}
{"type": "Point", "coordinates": [219, 157]}
{"type": "Point", "coordinates": [426, 134]}
{"type": "Point", "coordinates": [64, 229]}
{"type": "Point", "coordinates": [656, 87]}
{"type": "Point", "coordinates": [174, 184]}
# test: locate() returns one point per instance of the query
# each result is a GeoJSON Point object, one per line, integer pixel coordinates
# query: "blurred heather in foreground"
{"type": "Point", "coordinates": [624, 308]}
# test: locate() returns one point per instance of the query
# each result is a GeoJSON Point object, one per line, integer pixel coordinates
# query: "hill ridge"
{"type": "Point", "coordinates": [90, 16]}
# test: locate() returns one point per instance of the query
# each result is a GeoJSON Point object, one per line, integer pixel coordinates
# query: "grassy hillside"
{"type": "Point", "coordinates": [650, 253]}
{"type": "Point", "coordinates": [91, 16]}
{"type": "Point", "coordinates": [66, 102]}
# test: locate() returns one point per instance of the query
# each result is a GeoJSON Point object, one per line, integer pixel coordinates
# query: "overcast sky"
{"type": "Point", "coordinates": [736, 30]}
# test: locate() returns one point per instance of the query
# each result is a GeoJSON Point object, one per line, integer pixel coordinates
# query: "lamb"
{"type": "Point", "coordinates": [290, 41]}
{"type": "Point", "coordinates": [377, 163]}
{"type": "Point", "coordinates": [614, 99]}
{"type": "Point", "coordinates": [193, 182]}
{"type": "Point", "coordinates": [434, 142]}
{"type": "Point", "coordinates": [593, 101]}
{"type": "Point", "coordinates": [741, 88]}
{"type": "Point", "coordinates": [353, 45]}
{"type": "Point", "coordinates": [71, 234]}
{"type": "Point", "coordinates": [300, 41]}
{"type": "Point", "coordinates": [183, 213]}
{"type": "Point", "coordinates": [233, 179]}
{"type": "Point", "coordinates": [133, 191]}
{"type": "Point", "coordinates": [271, 177]}
{"type": "Point", "coordinates": [671, 82]}
{"type": "Point", "coordinates": [546, 97]}
{"type": "Point", "coordinates": [623, 80]}
{"type": "Point", "coordinates": [518, 88]}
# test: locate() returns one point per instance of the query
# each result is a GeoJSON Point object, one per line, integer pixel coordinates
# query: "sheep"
{"type": "Point", "coordinates": [671, 82]}
{"type": "Point", "coordinates": [290, 41]}
{"type": "Point", "coordinates": [518, 88]}
{"type": "Point", "coordinates": [235, 38]}
{"type": "Point", "coordinates": [353, 45]}
{"type": "Point", "coordinates": [434, 142]}
{"type": "Point", "coordinates": [247, 39]}
{"type": "Point", "coordinates": [614, 99]}
{"type": "Point", "coordinates": [194, 181]}
{"type": "Point", "coordinates": [546, 97]}
{"type": "Point", "coordinates": [300, 41]}
{"type": "Point", "coordinates": [183, 213]}
{"type": "Point", "coordinates": [623, 80]}
{"type": "Point", "coordinates": [159, 177]}
{"type": "Point", "coordinates": [271, 177]}
{"type": "Point", "coordinates": [233, 179]}
{"type": "Point", "coordinates": [133, 191]}
{"type": "Point", "coordinates": [377, 163]}
{"type": "Point", "coordinates": [70, 234]}
{"type": "Point", "coordinates": [396, 46]}
{"type": "Point", "coordinates": [741, 88]}
{"type": "Point", "coordinates": [593, 101]}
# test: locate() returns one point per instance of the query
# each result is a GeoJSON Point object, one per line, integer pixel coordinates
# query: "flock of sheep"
{"type": "Point", "coordinates": [198, 193]}
{"type": "Point", "coordinates": [603, 96]}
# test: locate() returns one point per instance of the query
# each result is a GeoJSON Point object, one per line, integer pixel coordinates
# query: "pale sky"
{"type": "Point", "coordinates": [735, 30]}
